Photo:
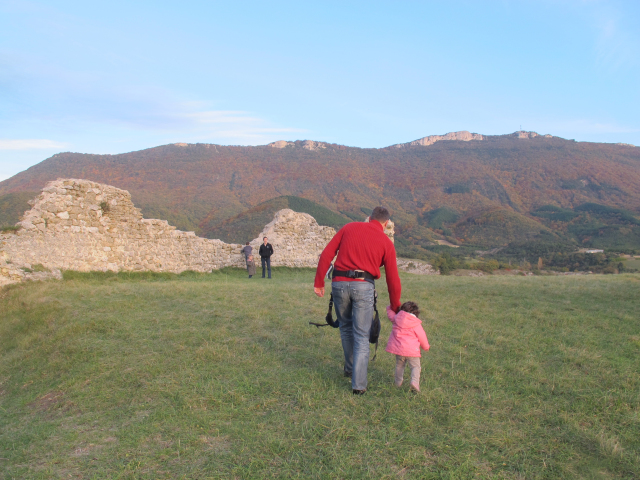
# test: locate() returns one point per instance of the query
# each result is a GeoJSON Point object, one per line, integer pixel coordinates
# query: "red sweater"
{"type": "Point", "coordinates": [362, 246]}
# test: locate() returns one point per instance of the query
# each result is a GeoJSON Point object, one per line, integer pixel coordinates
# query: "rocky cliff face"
{"type": "Point", "coordinates": [463, 136]}
{"type": "Point", "coordinates": [525, 134]}
{"type": "Point", "coordinates": [82, 225]}
{"type": "Point", "coordinates": [306, 144]}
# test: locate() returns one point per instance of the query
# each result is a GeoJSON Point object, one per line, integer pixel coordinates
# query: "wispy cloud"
{"type": "Point", "coordinates": [617, 43]}
{"type": "Point", "coordinates": [583, 126]}
{"type": "Point", "coordinates": [30, 144]}
{"type": "Point", "coordinates": [222, 116]}
{"type": "Point", "coordinates": [594, 127]}
{"type": "Point", "coordinates": [232, 126]}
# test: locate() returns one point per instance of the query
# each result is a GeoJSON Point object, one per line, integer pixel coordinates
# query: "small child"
{"type": "Point", "coordinates": [251, 266]}
{"type": "Point", "coordinates": [407, 336]}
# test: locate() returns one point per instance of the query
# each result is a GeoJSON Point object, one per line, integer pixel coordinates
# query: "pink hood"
{"type": "Point", "coordinates": [406, 320]}
{"type": "Point", "coordinates": [407, 334]}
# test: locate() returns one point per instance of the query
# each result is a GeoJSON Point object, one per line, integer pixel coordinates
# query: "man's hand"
{"type": "Point", "coordinates": [319, 291]}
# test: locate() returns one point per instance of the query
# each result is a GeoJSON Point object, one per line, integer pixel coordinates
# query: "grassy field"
{"type": "Point", "coordinates": [219, 376]}
{"type": "Point", "coordinates": [633, 263]}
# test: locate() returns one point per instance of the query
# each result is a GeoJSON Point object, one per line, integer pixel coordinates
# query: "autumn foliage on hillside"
{"type": "Point", "coordinates": [198, 186]}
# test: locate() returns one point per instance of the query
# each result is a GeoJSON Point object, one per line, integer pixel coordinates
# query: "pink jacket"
{"type": "Point", "coordinates": [407, 334]}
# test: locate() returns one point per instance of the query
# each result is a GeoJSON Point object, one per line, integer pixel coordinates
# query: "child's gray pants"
{"type": "Point", "coordinates": [414, 364]}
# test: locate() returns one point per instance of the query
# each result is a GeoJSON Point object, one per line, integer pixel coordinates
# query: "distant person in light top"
{"type": "Point", "coordinates": [362, 248]}
{"type": "Point", "coordinates": [247, 250]}
{"type": "Point", "coordinates": [266, 250]}
{"type": "Point", "coordinates": [406, 338]}
{"type": "Point", "coordinates": [251, 266]}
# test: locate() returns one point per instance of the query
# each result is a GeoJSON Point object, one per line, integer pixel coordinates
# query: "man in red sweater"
{"type": "Point", "coordinates": [362, 249]}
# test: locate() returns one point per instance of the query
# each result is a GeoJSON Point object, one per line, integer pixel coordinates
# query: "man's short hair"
{"type": "Point", "coordinates": [380, 214]}
{"type": "Point", "coordinates": [264, 238]}
{"type": "Point", "coordinates": [247, 243]}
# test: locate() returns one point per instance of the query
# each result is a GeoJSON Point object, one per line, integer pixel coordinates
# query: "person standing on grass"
{"type": "Point", "coordinates": [362, 248]}
{"type": "Point", "coordinates": [266, 250]}
{"type": "Point", "coordinates": [247, 250]}
{"type": "Point", "coordinates": [251, 266]}
{"type": "Point", "coordinates": [248, 258]}
{"type": "Point", "coordinates": [406, 338]}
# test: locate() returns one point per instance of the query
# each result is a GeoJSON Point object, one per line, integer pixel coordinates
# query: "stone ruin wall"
{"type": "Point", "coordinates": [87, 226]}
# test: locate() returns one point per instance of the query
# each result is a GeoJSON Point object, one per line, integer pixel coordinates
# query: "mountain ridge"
{"type": "Point", "coordinates": [522, 171]}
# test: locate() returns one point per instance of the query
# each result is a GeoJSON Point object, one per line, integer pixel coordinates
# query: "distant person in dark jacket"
{"type": "Point", "coordinates": [266, 250]}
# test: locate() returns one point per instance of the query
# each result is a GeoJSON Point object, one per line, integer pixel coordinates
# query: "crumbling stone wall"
{"type": "Point", "coordinates": [83, 225]}
{"type": "Point", "coordinates": [87, 226]}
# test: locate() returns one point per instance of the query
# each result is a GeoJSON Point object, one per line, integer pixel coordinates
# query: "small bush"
{"type": "Point", "coordinates": [445, 262]}
{"type": "Point", "coordinates": [104, 206]}
{"type": "Point", "coordinates": [10, 228]}
{"type": "Point", "coordinates": [487, 267]}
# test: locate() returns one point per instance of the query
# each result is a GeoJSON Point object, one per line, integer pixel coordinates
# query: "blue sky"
{"type": "Point", "coordinates": [113, 77]}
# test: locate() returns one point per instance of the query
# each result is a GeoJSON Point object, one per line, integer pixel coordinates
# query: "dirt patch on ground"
{"type": "Point", "coordinates": [216, 444]}
{"type": "Point", "coordinates": [448, 244]}
{"type": "Point", "coordinates": [48, 401]}
{"type": "Point", "coordinates": [86, 450]}
{"type": "Point", "coordinates": [467, 273]}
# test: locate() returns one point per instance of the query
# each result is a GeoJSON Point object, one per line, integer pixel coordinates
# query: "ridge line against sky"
{"type": "Point", "coordinates": [75, 76]}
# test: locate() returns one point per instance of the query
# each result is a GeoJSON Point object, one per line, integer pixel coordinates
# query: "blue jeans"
{"type": "Point", "coordinates": [266, 260]}
{"type": "Point", "coordinates": [354, 310]}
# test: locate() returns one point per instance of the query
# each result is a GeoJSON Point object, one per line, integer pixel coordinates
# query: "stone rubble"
{"type": "Point", "coordinates": [416, 267]}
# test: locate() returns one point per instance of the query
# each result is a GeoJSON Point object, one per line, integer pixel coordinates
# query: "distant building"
{"type": "Point", "coordinates": [594, 251]}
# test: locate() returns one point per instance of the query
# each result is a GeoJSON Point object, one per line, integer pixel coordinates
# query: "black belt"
{"type": "Point", "coordinates": [354, 274]}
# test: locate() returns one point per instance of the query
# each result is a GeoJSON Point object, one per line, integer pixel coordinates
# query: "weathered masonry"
{"type": "Point", "coordinates": [82, 225]}
{"type": "Point", "coordinates": [87, 226]}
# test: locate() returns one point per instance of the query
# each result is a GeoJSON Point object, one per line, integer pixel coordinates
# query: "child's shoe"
{"type": "Point", "coordinates": [415, 388]}
{"type": "Point", "coordinates": [398, 384]}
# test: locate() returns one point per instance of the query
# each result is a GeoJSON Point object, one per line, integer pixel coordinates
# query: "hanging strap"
{"type": "Point", "coordinates": [329, 317]}
{"type": "Point", "coordinates": [376, 322]}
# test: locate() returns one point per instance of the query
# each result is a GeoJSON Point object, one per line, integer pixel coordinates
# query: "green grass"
{"type": "Point", "coordinates": [146, 376]}
{"type": "Point", "coordinates": [632, 263]}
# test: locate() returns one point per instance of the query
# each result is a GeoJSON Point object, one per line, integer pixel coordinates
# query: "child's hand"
{"type": "Point", "coordinates": [390, 313]}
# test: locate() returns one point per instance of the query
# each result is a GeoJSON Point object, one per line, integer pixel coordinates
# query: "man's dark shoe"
{"type": "Point", "coordinates": [359, 392]}
{"type": "Point", "coordinates": [347, 374]}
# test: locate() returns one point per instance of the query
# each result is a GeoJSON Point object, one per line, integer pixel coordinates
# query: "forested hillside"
{"type": "Point", "coordinates": [486, 192]}
{"type": "Point", "coordinates": [245, 226]}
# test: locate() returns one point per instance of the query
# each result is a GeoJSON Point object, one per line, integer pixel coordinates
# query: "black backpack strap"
{"type": "Point", "coordinates": [376, 320]}
{"type": "Point", "coordinates": [329, 317]}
